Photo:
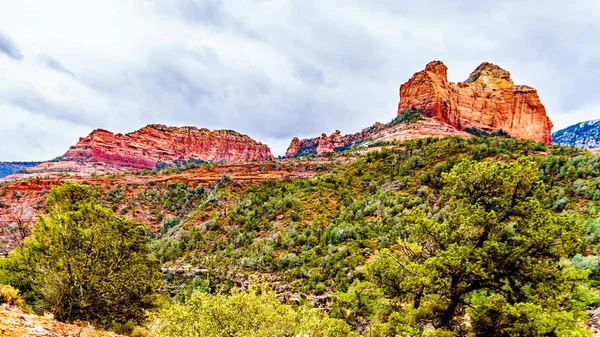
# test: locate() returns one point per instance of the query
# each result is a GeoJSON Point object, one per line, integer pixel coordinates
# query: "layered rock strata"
{"type": "Point", "coordinates": [488, 100]}
{"type": "Point", "coordinates": [144, 148]}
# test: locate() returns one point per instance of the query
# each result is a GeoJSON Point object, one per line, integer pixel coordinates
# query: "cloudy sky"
{"type": "Point", "coordinates": [272, 69]}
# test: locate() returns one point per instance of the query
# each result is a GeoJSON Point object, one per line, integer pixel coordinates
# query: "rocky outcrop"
{"type": "Point", "coordinates": [379, 132]}
{"type": "Point", "coordinates": [333, 143]}
{"type": "Point", "coordinates": [293, 149]}
{"type": "Point", "coordinates": [146, 147]}
{"type": "Point", "coordinates": [488, 100]}
{"type": "Point", "coordinates": [585, 135]}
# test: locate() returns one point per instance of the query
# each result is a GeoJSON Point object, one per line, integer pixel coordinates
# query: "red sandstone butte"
{"type": "Point", "coordinates": [488, 100]}
{"type": "Point", "coordinates": [144, 148]}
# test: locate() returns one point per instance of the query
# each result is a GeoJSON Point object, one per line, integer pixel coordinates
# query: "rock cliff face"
{"type": "Point", "coordinates": [146, 147]}
{"type": "Point", "coordinates": [585, 135]}
{"type": "Point", "coordinates": [487, 100]}
{"type": "Point", "coordinates": [293, 149]}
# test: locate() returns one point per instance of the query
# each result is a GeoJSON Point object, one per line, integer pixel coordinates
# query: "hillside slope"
{"type": "Point", "coordinates": [312, 236]}
{"type": "Point", "coordinates": [410, 125]}
{"type": "Point", "coordinates": [309, 227]}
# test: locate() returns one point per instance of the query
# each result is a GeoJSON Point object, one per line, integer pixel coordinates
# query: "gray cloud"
{"type": "Point", "coordinates": [32, 101]}
{"type": "Point", "coordinates": [51, 63]}
{"type": "Point", "coordinates": [176, 83]}
{"type": "Point", "coordinates": [308, 73]}
{"type": "Point", "coordinates": [203, 12]}
{"type": "Point", "coordinates": [279, 69]}
{"type": "Point", "coordinates": [8, 48]}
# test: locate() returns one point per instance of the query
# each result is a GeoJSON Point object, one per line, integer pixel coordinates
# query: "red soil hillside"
{"type": "Point", "coordinates": [16, 323]}
{"type": "Point", "coordinates": [140, 196]}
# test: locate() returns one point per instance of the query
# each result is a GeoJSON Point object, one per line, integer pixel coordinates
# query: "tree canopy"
{"type": "Point", "coordinates": [254, 312]}
{"type": "Point", "coordinates": [84, 263]}
{"type": "Point", "coordinates": [489, 250]}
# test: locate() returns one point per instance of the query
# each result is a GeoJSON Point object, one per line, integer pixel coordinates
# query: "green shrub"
{"type": "Point", "coordinates": [407, 117]}
{"type": "Point", "coordinates": [139, 332]}
{"type": "Point", "coordinates": [481, 133]}
{"type": "Point", "coordinates": [244, 313]}
{"type": "Point", "coordinates": [10, 296]}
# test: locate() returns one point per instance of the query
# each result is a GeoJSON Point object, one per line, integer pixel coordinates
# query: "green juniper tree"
{"type": "Point", "coordinates": [84, 263]}
{"type": "Point", "coordinates": [486, 260]}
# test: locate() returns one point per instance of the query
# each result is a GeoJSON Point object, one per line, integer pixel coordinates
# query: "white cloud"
{"type": "Point", "coordinates": [271, 69]}
{"type": "Point", "coordinates": [26, 135]}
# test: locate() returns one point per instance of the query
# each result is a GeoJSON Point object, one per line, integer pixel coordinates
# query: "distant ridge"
{"type": "Point", "coordinates": [585, 135]}
{"type": "Point", "coordinates": [8, 168]}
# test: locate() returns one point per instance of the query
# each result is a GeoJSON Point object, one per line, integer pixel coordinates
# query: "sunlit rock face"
{"type": "Point", "coordinates": [488, 100]}
{"type": "Point", "coordinates": [146, 147]}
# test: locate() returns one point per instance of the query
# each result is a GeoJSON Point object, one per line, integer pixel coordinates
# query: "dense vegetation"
{"type": "Point", "coordinates": [180, 163]}
{"type": "Point", "coordinates": [440, 237]}
{"type": "Point", "coordinates": [316, 236]}
{"type": "Point", "coordinates": [407, 117]}
{"type": "Point", "coordinates": [245, 313]}
{"type": "Point", "coordinates": [489, 250]}
{"type": "Point", "coordinates": [481, 133]}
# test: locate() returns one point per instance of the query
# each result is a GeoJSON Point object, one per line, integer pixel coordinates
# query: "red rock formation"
{"type": "Point", "coordinates": [427, 127]}
{"type": "Point", "coordinates": [293, 149]}
{"type": "Point", "coordinates": [146, 147]}
{"type": "Point", "coordinates": [332, 143]}
{"type": "Point", "coordinates": [487, 100]}
{"type": "Point", "coordinates": [325, 144]}
{"type": "Point", "coordinates": [329, 143]}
